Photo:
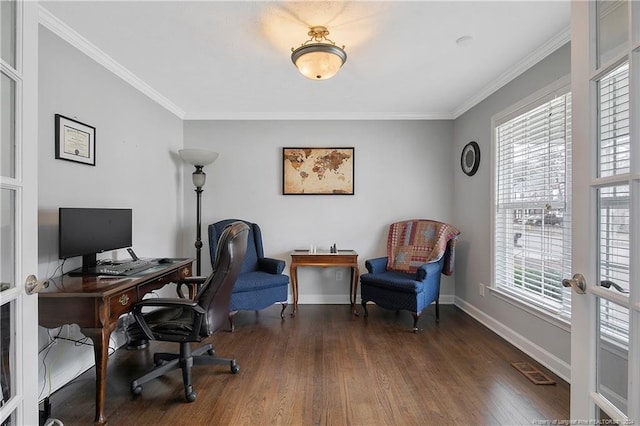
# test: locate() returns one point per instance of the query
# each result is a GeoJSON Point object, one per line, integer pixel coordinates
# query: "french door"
{"type": "Point", "coordinates": [605, 326]}
{"type": "Point", "coordinates": [18, 212]}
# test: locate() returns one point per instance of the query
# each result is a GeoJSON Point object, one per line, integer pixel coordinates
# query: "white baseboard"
{"type": "Point", "coordinates": [550, 361]}
{"type": "Point", "coordinates": [342, 299]}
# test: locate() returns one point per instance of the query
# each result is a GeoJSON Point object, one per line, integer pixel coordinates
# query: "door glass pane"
{"type": "Point", "coordinates": [7, 126]}
{"type": "Point", "coordinates": [7, 352]}
{"type": "Point", "coordinates": [612, 352]}
{"type": "Point", "coordinates": [11, 420]}
{"type": "Point", "coordinates": [8, 34]}
{"type": "Point", "coordinates": [613, 232]}
{"type": "Point", "coordinates": [613, 122]}
{"type": "Point", "coordinates": [612, 23]}
{"type": "Point", "coordinates": [7, 239]}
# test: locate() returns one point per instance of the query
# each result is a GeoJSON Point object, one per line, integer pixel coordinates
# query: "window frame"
{"type": "Point", "coordinates": [559, 317]}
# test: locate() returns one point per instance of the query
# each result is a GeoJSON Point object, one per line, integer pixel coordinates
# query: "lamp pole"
{"type": "Point", "coordinates": [198, 243]}
{"type": "Point", "coordinates": [198, 158]}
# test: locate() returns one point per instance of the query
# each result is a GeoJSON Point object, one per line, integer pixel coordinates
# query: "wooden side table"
{"type": "Point", "coordinates": [324, 259]}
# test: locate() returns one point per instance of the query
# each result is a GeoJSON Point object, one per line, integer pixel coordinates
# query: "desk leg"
{"type": "Point", "coordinates": [100, 338]}
{"type": "Point", "coordinates": [354, 288]}
{"type": "Point", "coordinates": [293, 271]}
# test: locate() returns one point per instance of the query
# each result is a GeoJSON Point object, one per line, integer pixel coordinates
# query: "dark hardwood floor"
{"type": "Point", "coordinates": [326, 366]}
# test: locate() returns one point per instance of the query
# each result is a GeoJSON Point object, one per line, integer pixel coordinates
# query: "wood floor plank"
{"type": "Point", "coordinates": [326, 366]}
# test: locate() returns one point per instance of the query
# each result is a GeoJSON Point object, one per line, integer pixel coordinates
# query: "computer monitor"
{"type": "Point", "coordinates": [88, 231]}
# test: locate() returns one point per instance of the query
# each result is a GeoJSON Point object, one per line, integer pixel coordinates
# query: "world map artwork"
{"type": "Point", "coordinates": [318, 171]}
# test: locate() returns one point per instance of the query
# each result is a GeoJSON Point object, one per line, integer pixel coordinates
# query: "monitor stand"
{"type": "Point", "coordinates": [88, 268]}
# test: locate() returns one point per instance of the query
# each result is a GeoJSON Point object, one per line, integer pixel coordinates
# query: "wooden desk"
{"type": "Point", "coordinates": [95, 303]}
{"type": "Point", "coordinates": [324, 259]}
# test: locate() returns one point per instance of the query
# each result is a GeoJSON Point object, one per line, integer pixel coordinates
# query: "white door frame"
{"type": "Point", "coordinates": [585, 399]}
{"type": "Point", "coordinates": [24, 403]}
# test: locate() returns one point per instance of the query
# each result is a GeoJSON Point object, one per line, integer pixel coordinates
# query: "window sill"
{"type": "Point", "coordinates": [553, 319]}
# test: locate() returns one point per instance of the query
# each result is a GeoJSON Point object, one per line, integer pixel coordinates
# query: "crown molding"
{"type": "Point", "coordinates": [536, 56]}
{"type": "Point", "coordinates": [62, 30]}
{"type": "Point", "coordinates": [55, 25]}
{"type": "Point", "coordinates": [317, 116]}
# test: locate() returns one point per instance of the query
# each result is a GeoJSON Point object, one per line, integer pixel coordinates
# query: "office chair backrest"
{"type": "Point", "coordinates": [255, 249]}
{"type": "Point", "coordinates": [215, 294]}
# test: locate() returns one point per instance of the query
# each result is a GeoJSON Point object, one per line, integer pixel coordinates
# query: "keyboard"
{"type": "Point", "coordinates": [126, 268]}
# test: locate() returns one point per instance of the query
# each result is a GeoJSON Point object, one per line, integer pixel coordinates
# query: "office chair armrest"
{"type": "Point", "coordinates": [377, 265]}
{"type": "Point", "coordinates": [185, 281]}
{"type": "Point", "coordinates": [272, 266]}
{"type": "Point", "coordinates": [166, 303]}
{"type": "Point", "coordinates": [192, 280]}
{"type": "Point", "coordinates": [428, 269]}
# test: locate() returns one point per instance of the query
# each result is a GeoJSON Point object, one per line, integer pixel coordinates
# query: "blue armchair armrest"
{"type": "Point", "coordinates": [377, 265]}
{"type": "Point", "coordinates": [428, 269]}
{"type": "Point", "coordinates": [272, 266]}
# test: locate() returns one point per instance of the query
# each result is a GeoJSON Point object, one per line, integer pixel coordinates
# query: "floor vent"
{"type": "Point", "coordinates": [536, 376]}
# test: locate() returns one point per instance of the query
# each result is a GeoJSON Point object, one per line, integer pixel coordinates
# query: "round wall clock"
{"type": "Point", "coordinates": [470, 158]}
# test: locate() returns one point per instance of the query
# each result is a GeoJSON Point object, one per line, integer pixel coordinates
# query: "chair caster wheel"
{"type": "Point", "coordinates": [136, 389]}
{"type": "Point", "coordinates": [191, 396]}
{"type": "Point", "coordinates": [234, 367]}
{"type": "Point", "coordinates": [211, 352]}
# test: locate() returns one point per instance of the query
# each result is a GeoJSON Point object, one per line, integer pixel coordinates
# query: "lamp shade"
{"type": "Point", "coordinates": [199, 177]}
{"type": "Point", "coordinates": [319, 61]}
{"type": "Point", "coordinates": [198, 157]}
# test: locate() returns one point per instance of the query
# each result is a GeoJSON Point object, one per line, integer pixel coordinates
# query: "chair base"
{"type": "Point", "coordinates": [166, 362]}
{"type": "Point", "coordinates": [416, 315]}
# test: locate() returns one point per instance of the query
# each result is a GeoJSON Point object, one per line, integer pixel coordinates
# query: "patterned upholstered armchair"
{"type": "Point", "coordinates": [261, 282]}
{"type": "Point", "coordinates": [408, 278]}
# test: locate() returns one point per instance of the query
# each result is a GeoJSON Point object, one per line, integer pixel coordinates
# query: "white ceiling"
{"type": "Point", "coordinates": [231, 60]}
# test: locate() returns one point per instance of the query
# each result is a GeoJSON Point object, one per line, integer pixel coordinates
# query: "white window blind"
{"type": "Point", "coordinates": [532, 229]}
{"type": "Point", "coordinates": [613, 115]}
{"type": "Point", "coordinates": [614, 254]}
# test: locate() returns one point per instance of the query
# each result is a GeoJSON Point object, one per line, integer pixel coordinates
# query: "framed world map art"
{"type": "Point", "coordinates": [317, 171]}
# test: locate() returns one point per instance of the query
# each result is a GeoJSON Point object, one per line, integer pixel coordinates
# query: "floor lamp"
{"type": "Point", "coordinates": [198, 158]}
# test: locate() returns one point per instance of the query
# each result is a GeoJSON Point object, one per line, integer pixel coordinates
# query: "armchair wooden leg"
{"type": "Point", "coordinates": [416, 317]}
{"type": "Point", "coordinates": [231, 325]}
{"type": "Point", "coordinates": [284, 306]}
{"type": "Point", "coordinates": [438, 310]}
{"type": "Point", "coordinates": [364, 308]}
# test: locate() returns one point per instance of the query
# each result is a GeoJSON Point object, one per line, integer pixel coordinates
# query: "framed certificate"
{"type": "Point", "coordinates": [75, 141]}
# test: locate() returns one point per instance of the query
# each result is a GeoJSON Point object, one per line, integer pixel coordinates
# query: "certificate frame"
{"type": "Point", "coordinates": [318, 170]}
{"type": "Point", "coordinates": [75, 141]}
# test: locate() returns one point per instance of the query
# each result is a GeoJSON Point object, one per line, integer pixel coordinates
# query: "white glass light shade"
{"type": "Point", "coordinates": [199, 177]}
{"type": "Point", "coordinates": [319, 61]}
{"type": "Point", "coordinates": [198, 157]}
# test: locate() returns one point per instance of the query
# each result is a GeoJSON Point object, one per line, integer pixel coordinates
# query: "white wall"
{"type": "Point", "coordinates": [399, 174]}
{"type": "Point", "coordinates": [472, 206]}
{"type": "Point", "coordinates": [136, 167]}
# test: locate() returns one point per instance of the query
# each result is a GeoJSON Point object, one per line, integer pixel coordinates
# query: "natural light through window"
{"type": "Point", "coordinates": [532, 227]}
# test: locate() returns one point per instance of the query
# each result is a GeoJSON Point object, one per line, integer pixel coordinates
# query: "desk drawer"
{"type": "Point", "coordinates": [162, 280]}
{"type": "Point", "coordinates": [121, 303]}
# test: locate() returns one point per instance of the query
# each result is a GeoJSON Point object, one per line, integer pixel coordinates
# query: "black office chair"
{"type": "Point", "coordinates": [184, 320]}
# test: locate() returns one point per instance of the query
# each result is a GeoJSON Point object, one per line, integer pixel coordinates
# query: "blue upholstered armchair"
{"type": "Point", "coordinates": [261, 282]}
{"type": "Point", "coordinates": [408, 278]}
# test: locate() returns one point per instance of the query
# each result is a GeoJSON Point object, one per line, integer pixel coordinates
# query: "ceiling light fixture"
{"type": "Point", "coordinates": [318, 58]}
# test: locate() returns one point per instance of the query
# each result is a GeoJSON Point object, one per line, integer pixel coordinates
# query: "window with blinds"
{"type": "Point", "coordinates": [532, 228]}
{"type": "Point", "coordinates": [613, 114]}
{"type": "Point", "coordinates": [614, 254]}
